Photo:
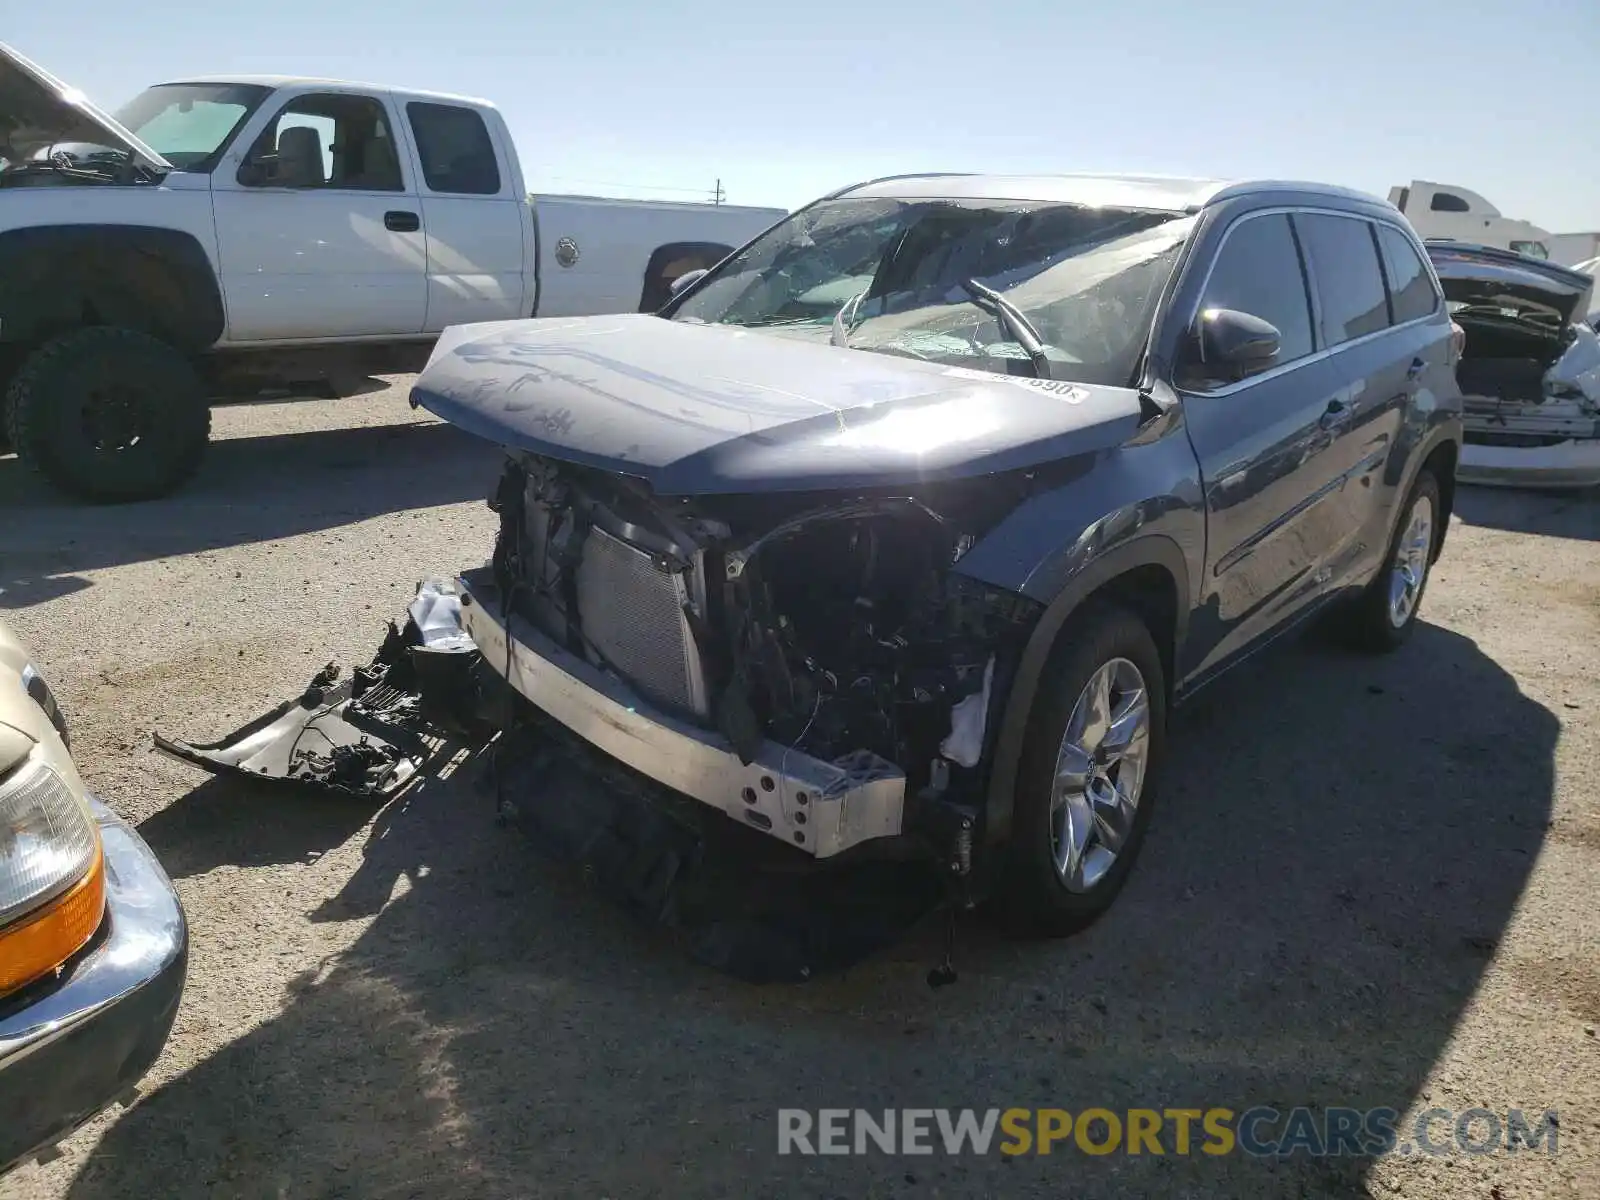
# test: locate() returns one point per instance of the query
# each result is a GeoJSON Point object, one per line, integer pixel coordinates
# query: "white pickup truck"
{"type": "Point", "coordinates": [219, 235]}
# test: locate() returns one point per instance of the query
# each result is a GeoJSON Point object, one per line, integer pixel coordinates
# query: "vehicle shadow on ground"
{"type": "Point", "coordinates": [246, 823]}
{"type": "Point", "coordinates": [1564, 514]}
{"type": "Point", "coordinates": [1341, 845]}
{"type": "Point", "coordinates": [250, 489]}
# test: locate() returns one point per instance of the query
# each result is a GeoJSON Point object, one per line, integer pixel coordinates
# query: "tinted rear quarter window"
{"type": "Point", "coordinates": [1345, 273]}
{"type": "Point", "coordinates": [456, 151]}
{"type": "Point", "coordinates": [1258, 272]}
{"type": "Point", "coordinates": [1410, 289]}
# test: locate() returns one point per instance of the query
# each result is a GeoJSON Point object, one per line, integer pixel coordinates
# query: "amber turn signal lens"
{"type": "Point", "coordinates": [44, 940]}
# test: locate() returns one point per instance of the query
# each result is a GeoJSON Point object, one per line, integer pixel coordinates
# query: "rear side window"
{"type": "Point", "coordinates": [456, 151]}
{"type": "Point", "coordinates": [1258, 272]}
{"type": "Point", "coordinates": [1344, 267]}
{"type": "Point", "coordinates": [1410, 290]}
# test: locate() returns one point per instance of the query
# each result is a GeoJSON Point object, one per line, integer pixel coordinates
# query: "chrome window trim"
{"type": "Point", "coordinates": [1322, 352]}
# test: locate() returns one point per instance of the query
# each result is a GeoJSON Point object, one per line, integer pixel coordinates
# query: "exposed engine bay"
{"type": "Point", "coordinates": [1526, 381]}
{"type": "Point", "coordinates": [832, 626]}
{"type": "Point", "coordinates": [1529, 368]}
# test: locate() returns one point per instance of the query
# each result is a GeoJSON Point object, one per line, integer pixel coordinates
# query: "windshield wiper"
{"type": "Point", "coordinates": [1015, 322]}
{"type": "Point", "coordinates": [840, 334]}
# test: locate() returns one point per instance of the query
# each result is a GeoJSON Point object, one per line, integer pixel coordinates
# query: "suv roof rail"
{"type": "Point", "coordinates": [848, 188]}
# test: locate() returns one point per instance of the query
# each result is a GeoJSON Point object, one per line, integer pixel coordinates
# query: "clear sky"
{"type": "Point", "coordinates": [784, 102]}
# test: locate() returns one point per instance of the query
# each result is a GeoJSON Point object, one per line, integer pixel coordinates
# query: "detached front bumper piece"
{"type": "Point", "coordinates": [366, 736]}
{"type": "Point", "coordinates": [73, 1043]}
{"type": "Point", "coordinates": [1573, 464]}
{"type": "Point", "coordinates": [822, 808]}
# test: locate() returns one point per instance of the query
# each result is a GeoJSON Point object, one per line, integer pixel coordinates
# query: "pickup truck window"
{"type": "Point", "coordinates": [1410, 290]}
{"type": "Point", "coordinates": [1349, 282]}
{"type": "Point", "coordinates": [1258, 272]}
{"type": "Point", "coordinates": [908, 277]}
{"type": "Point", "coordinates": [190, 124]}
{"type": "Point", "coordinates": [456, 150]}
{"type": "Point", "coordinates": [326, 141]}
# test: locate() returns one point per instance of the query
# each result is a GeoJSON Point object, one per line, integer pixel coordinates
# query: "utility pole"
{"type": "Point", "coordinates": [718, 195]}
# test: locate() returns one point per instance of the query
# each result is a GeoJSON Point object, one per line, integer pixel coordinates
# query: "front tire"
{"type": "Point", "coordinates": [1086, 784]}
{"type": "Point", "coordinates": [109, 415]}
{"type": "Point", "coordinates": [1386, 613]}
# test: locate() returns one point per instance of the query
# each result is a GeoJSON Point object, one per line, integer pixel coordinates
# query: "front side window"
{"type": "Point", "coordinates": [1411, 291]}
{"type": "Point", "coordinates": [917, 278]}
{"type": "Point", "coordinates": [326, 141]}
{"type": "Point", "coordinates": [1531, 249]}
{"type": "Point", "coordinates": [1258, 272]}
{"type": "Point", "coordinates": [1349, 282]}
{"type": "Point", "coordinates": [456, 151]}
{"type": "Point", "coordinates": [1448, 202]}
{"type": "Point", "coordinates": [190, 124]}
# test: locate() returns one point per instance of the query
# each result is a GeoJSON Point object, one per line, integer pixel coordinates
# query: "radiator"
{"type": "Point", "coordinates": [631, 610]}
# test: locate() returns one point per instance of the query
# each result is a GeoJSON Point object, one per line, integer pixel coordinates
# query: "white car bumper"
{"type": "Point", "coordinates": [1565, 465]}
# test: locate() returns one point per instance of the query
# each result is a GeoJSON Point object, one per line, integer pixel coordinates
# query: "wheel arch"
{"type": "Point", "coordinates": [1147, 575]}
{"type": "Point", "coordinates": [1441, 460]}
{"type": "Point", "coordinates": [54, 278]}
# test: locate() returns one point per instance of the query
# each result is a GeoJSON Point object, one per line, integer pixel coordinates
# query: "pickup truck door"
{"type": "Point", "coordinates": [319, 227]}
{"type": "Point", "coordinates": [1273, 499]}
{"type": "Point", "coordinates": [475, 213]}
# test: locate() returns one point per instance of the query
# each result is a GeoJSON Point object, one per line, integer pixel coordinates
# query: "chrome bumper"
{"type": "Point", "coordinates": [819, 807]}
{"type": "Point", "coordinates": [1568, 465]}
{"type": "Point", "coordinates": [71, 1046]}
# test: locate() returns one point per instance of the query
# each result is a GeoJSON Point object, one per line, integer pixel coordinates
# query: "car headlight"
{"type": "Point", "coordinates": [36, 687]}
{"type": "Point", "coordinates": [52, 873]}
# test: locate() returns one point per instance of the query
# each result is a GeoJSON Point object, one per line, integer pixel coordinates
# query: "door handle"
{"type": "Point", "coordinates": [1415, 369]}
{"type": "Point", "coordinates": [400, 221]}
{"type": "Point", "coordinates": [1337, 413]}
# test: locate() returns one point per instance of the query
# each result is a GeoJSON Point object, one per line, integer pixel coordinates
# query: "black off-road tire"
{"type": "Point", "coordinates": [1369, 624]}
{"type": "Point", "coordinates": [1032, 899]}
{"type": "Point", "coordinates": [50, 401]}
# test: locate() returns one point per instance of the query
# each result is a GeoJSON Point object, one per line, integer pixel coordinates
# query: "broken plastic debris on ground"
{"type": "Point", "coordinates": [737, 902]}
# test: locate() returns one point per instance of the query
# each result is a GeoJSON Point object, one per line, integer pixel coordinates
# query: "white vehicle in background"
{"type": "Point", "coordinates": [1529, 368]}
{"type": "Point", "coordinates": [223, 234]}
{"type": "Point", "coordinates": [1444, 211]}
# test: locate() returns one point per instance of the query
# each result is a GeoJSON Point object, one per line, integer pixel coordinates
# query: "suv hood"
{"type": "Point", "coordinates": [1487, 275]}
{"type": "Point", "coordinates": [38, 111]}
{"type": "Point", "coordinates": [705, 409]}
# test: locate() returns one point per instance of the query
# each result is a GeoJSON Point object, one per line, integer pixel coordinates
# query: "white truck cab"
{"type": "Point", "coordinates": [1447, 211]}
{"type": "Point", "coordinates": [221, 233]}
{"type": "Point", "coordinates": [344, 211]}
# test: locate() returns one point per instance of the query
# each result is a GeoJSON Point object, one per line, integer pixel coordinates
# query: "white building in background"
{"type": "Point", "coordinates": [1574, 249]}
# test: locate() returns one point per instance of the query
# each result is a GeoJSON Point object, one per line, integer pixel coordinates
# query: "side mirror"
{"type": "Point", "coordinates": [687, 279]}
{"type": "Point", "coordinates": [1235, 344]}
{"type": "Point", "coordinates": [256, 170]}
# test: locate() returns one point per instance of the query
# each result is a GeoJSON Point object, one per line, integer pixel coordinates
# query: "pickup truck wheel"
{"type": "Point", "coordinates": [1386, 613]}
{"type": "Point", "coordinates": [108, 414]}
{"type": "Point", "coordinates": [1085, 785]}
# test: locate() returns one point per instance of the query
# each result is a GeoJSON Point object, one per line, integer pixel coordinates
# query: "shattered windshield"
{"type": "Point", "coordinates": [947, 280]}
{"type": "Point", "coordinates": [190, 124]}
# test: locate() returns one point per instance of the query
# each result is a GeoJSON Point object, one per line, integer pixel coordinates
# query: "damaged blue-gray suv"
{"type": "Point", "coordinates": [898, 534]}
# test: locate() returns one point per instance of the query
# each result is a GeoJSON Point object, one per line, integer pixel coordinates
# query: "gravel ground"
{"type": "Point", "coordinates": [1371, 883]}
